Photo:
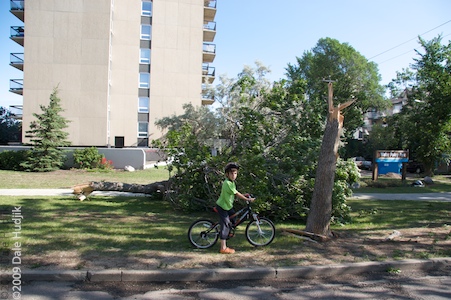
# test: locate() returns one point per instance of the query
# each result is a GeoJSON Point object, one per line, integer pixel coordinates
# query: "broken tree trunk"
{"type": "Point", "coordinates": [318, 221]}
{"type": "Point", "coordinates": [83, 190]}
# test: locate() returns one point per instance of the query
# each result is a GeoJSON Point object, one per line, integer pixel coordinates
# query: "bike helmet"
{"type": "Point", "coordinates": [231, 165]}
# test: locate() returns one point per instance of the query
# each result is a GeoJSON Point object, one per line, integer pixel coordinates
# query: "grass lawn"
{"type": "Point", "coordinates": [112, 232]}
{"type": "Point", "coordinates": [147, 233]}
{"type": "Point", "coordinates": [69, 178]}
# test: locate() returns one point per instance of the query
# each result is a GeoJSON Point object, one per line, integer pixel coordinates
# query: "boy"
{"type": "Point", "coordinates": [225, 205]}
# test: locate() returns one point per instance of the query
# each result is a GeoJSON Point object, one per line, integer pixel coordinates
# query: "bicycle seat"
{"type": "Point", "coordinates": [215, 209]}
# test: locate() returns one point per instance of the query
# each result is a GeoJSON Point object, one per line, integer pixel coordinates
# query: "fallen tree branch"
{"type": "Point", "coordinates": [313, 236]}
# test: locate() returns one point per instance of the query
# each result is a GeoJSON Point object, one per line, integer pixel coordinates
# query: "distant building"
{"type": "Point", "coordinates": [374, 117]}
{"type": "Point", "coordinates": [119, 65]}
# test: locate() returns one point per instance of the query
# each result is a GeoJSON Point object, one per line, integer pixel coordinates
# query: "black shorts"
{"type": "Point", "coordinates": [225, 222]}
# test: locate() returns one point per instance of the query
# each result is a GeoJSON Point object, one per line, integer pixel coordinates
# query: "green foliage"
{"type": "Point", "coordinates": [10, 128]}
{"type": "Point", "coordinates": [355, 78]}
{"type": "Point", "coordinates": [11, 160]}
{"type": "Point", "coordinates": [46, 136]}
{"type": "Point", "coordinates": [424, 123]}
{"type": "Point", "coordinates": [274, 133]}
{"type": "Point", "coordinates": [90, 158]}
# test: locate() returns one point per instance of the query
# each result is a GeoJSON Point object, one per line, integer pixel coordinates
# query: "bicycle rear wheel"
{"type": "Point", "coordinates": [261, 232]}
{"type": "Point", "coordinates": [203, 234]}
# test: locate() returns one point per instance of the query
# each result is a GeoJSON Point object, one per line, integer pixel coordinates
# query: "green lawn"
{"type": "Point", "coordinates": [135, 227]}
{"type": "Point", "coordinates": [118, 227]}
{"type": "Point", "coordinates": [69, 178]}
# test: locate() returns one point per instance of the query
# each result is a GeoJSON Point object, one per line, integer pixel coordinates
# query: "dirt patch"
{"type": "Point", "coordinates": [349, 247]}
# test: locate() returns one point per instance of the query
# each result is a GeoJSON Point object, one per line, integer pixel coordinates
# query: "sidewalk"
{"type": "Point", "coordinates": [61, 192]}
{"type": "Point", "coordinates": [444, 197]}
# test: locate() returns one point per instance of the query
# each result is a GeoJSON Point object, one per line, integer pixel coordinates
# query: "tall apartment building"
{"type": "Point", "coordinates": [119, 65]}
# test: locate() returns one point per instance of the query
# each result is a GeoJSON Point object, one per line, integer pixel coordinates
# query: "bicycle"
{"type": "Point", "coordinates": [260, 231]}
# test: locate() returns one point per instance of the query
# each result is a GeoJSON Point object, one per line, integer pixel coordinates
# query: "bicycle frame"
{"type": "Point", "coordinates": [241, 216]}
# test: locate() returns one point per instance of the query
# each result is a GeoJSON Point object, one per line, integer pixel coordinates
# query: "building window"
{"type": "Point", "coordinates": [143, 104]}
{"type": "Point", "coordinates": [144, 80]}
{"type": "Point", "coordinates": [143, 129]}
{"type": "Point", "coordinates": [146, 31]}
{"type": "Point", "coordinates": [143, 142]}
{"type": "Point", "coordinates": [144, 57]}
{"type": "Point", "coordinates": [146, 8]}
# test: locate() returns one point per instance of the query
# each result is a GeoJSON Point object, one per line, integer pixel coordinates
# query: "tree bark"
{"type": "Point", "coordinates": [318, 220]}
{"type": "Point", "coordinates": [86, 189]}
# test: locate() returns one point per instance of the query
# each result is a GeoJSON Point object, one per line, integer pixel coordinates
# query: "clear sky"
{"type": "Point", "coordinates": [276, 32]}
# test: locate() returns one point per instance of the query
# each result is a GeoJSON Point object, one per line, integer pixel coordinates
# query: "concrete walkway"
{"type": "Point", "coordinates": [445, 197]}
{"type": "Point", "coordinates": [60, 192]}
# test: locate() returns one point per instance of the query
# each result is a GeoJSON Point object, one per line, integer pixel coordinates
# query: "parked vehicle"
{"type": "Point", "coordinates": [362, 163]}
{"type": "Point", "coordinates": [415, 167]}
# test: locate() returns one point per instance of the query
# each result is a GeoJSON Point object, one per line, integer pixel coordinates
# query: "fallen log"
{"type": "Point", "coordinates": [84, 190]}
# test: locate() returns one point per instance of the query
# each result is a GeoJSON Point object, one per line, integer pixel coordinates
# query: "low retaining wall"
{"type": "Point", "coordinates": [120, 157]}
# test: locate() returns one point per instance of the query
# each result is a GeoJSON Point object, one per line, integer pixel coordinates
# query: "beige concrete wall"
{"type": "Point", "coordinates": [176, 68]}
{"type": "Point", "coordinates": [66, 45]}
{"type": "Point", "coordinates": [123, 101]}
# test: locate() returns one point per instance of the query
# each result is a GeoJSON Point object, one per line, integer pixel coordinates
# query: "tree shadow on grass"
{"type": "Point", "coordinates": [141, 233]}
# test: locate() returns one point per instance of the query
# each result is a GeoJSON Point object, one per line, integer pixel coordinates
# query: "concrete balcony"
{"type": "Point", "coordinates": [209, 52]}
{"type": "Point", "coordinates": [18, 34]}
{"type": "Point", "coordinates": [16, 86]}
{"type": "Point", "coordinates": [208, 74]}
{"type": "Point", "coordinates": [207, 95]}
{"type": "Point", "coordinates": [16, 60]}
{"type": "Point", "coordinates": [209, 10]}
{"type": "Point", "coordinates": [209, 31]}
{"type": "Point", "coordinates": [18, 9]}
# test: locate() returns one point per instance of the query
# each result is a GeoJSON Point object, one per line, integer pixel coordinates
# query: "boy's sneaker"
{"type": "Point", "coordinates": [227, 251]}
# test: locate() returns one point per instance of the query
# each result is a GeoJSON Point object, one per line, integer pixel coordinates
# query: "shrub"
{"type": "Point", "coordinates": [87, 158]}
{"type": "Point", "coordinates": [90, 158]}
{"type": "Point", "coordinates": [105, 164]}
{"type": "Point", "coordinates": [11, 160]}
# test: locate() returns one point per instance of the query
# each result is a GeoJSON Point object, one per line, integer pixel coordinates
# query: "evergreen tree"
{"type": "Point", "coordinates": [46, 135]}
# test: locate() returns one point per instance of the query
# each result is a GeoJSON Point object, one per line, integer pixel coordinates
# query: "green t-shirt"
{"type": "Point", "coordinates": [227, 196]}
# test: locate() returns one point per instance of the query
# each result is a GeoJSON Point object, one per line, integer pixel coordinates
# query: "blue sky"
{"type": "Point", "coordinates": [276, 32]}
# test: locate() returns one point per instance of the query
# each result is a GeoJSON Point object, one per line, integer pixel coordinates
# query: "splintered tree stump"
{"type": "Point", "coordinates": [318, 220]}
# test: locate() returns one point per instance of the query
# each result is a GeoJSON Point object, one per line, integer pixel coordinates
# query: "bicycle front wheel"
{"type": "Point", "coordinates": [203, 234]}
{"type": "Point", "coordinates": [260, 232]}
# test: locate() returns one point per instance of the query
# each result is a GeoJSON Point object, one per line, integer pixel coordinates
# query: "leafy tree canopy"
{"type": "Point", "coordinates": [424, 124]}
{"type": "Point", "coordinates": [273, 131]}
{"type": "Point", "coordinates": [10, 128]}
{"type": "Point", "coordinates": [354, 76]}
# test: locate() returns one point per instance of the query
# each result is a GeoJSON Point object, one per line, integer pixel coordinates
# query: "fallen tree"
{"type": "Point", "coordinates": [84, 190]}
